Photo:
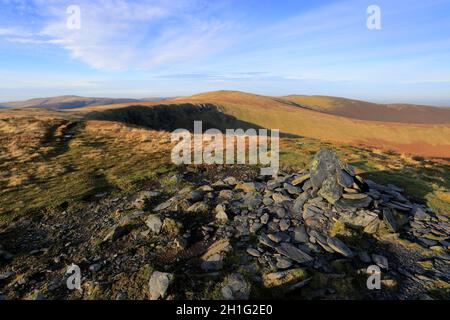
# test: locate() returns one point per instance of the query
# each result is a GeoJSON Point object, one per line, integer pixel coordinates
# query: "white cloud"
{"type": "Point", "coordinates": [15, 32]}
{"type": "Point", "coordinates": [122, 35]}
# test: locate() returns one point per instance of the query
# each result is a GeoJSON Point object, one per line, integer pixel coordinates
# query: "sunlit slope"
{"type": "Point", "coordinates": [269, 112]}
{"type": "Point", "coordinates": [288, 116]}
{"type": "Point", "coordinates": [356, 109]}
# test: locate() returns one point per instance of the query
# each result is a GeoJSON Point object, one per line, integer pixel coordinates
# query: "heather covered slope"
{"type": "Point", "coordinates": [356, 109]}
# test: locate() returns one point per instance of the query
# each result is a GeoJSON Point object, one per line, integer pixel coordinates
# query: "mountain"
{"type": "Point", "coordinates": [291, 118]}
{"type": "Point", "coordinates": [356, 109]}
{"type": "Point", "coordinates": [69, 102]}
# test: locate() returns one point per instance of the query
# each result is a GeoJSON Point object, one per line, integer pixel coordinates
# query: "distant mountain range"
{"type": "Point", "coordinates": [349, 108]}
{"type": "Point", "coordinates": [408, 128]}
{"type": "Point", "coordinates": [70, 102]}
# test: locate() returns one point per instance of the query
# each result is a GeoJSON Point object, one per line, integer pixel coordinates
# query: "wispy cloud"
{"type": "Point", "coordinates": [121, 35]}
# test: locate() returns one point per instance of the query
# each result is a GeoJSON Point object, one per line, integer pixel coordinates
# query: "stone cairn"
{"type": "Point", "coordinates": [291, 214]}
{"type": "Point", "coordinates": [284, 222]}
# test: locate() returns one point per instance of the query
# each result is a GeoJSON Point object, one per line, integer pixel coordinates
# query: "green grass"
{"type": "Point", "coordinates": [113, 158]}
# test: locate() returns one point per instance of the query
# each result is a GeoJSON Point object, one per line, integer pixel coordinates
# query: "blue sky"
{"type": "Point", "coordinates": [180, 47]}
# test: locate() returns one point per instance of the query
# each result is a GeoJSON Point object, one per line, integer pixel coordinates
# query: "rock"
{"type": "Point", "coordinates": [420, 215]}
{"type": "Point", "coordinates": [251, 200]}
{"type": "Point", "coordinates": [340, 247]}
{"type": "Point", "coordinates": [231, 181]}
{"type": "Point", "coordinates": [159, 284]}
{"type": "Point", "coordinates": [221, 215]}
{"type": "Point", "coordinates": [300, 201]}
{"type": "Point", "coordinates": [214, 262]}
{"type": "Point", "coordinates": [255, 227]}
{"type": "Point", "coordinates": [353, 204]}
{"type": "Point", "coordinates": [278, 198]}
{"type": "Point", "coordinates": [272, 185]}
{"type": "Point", "coordinates": [300, 179]}
{"type": "Point", "coordinates": [267, 201]}
{"type": "Point", "coordinates": [307, 185]}
{"type": "Point", "coordinates": [389, 219]}
{"type": "Point", "coordinates": [293, 253]}
{"type": "Point", "coordinates": [38, 296]}
{"type": "Point", "coordinates": [380, 261]}
{"type": "Point", "coordinates": [325, 165]}
{"type": "Point", "coordinates": [265, 240]}
{"type": "Point", "coordinates": [275, 237]}
{"type": "Point", "coordinates": [265, 218]}
{"type": "Point", "coordinates": [253, 252]}
{"type": "Point", "coordinates": [344, 179]}
{"type": "Point", "coordinates": [399, 206]}
{"type": "Point", "coordinates": [235, 287]}
{"type": "Point", "coordinates": [291, 189]}
{"type": "Point", "coordinates": [427, 242]}
{"type": "Point", "coordinates": [96, 267]}
{"type": "Point", "coordinates": [206, 188]}
{"type": "Point", "coordinates": [131, 218]}
{"type": "Point", "coordinates": [282, 278]}
{"type": "Point", "coordinates": [331, 190]}
{"type": "Point", "coordinates": [219, 246]}
{"type": "Point", "coordinates": [154, 223]}
{"type": "Point", "coordinates": [6, 275]}
{"type": "Point", "coordinates": [311, 211]}
{"type": "Point", "coordinates": [226, 194]}
{"type": "Point", "coordinates": [283, 263]}
{"type": "Point", "coordinates": [284, 224]}
{"type": "Point", "coordinates": [163, 206]}
{"type": "Point", "coordinates": [198, 207]}
{"type": "Point", "coordinates": [355, 196]}
{"type": "Point", "coordinates": [246, 187]}
{"type": "Point", "coordinates": [300, 234]}
{"type": "Point", "coordinates": [280, 212]}
{"type": "Point", "coordinates": [196, 195]}
{"type": "Point", "coordinates": [372, 227]}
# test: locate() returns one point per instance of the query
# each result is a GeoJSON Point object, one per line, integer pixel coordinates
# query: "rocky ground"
{"type": "Point", "coordinates": [230, 234]}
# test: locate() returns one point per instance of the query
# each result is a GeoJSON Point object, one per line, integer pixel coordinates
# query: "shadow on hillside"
{"type": "Point", "coordinates": [418, 188]}
{"type": "Point", "coordinates": [176, 116]}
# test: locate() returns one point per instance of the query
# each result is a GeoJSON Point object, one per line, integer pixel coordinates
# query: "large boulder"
{"type": "Point", "coordinates": [332, 179]}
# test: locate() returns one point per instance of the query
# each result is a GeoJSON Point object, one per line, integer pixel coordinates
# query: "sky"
{"type": "Point", "coordinates": [162, 48]}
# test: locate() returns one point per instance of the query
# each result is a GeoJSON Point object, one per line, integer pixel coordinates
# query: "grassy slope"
{"type": "Point", "coordinates": [41, 170]}
{"type": "Point", "coordinates": [356, 109]}
{"type": "Point", "coordinates": [429, 140]}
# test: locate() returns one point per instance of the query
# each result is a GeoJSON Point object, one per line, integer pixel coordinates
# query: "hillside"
{"type": "Point", "coordinates": [69, 102]}
{"type": "Point", "coordinates": [105, 194]}
{"type": "Point", "coordinates": [271, 112]}
{"type": "Point", "coordinates": [356, 109]}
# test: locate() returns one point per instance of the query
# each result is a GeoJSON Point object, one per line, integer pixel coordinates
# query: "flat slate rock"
{"type": "Point", "coordinates": [294, 253]}
{"type": "Point", "coordinates": [339, 247]}
{"type": "Point", "coordinates": [389, 219]}
{"type": "Point", "coordinates": [353, 204]}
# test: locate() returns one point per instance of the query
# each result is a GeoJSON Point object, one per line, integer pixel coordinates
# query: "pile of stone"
{"type": "Point", "coordinates": [278, 231]}
{"type": "Point", "coordinates": [290, 216]}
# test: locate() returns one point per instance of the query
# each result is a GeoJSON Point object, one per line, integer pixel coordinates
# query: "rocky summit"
{"type": "Point", "coordinates": [308, 235]}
